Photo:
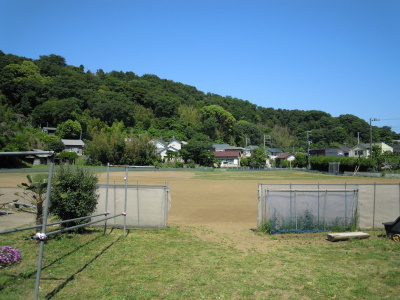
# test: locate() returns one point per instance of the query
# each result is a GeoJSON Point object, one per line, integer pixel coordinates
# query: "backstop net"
{"type": "Point", "coordinates": [306, 208]}
{"type": "Point", "coordinates": [334, 167]}
{"type": "Point", "coordinates": [146, 206]}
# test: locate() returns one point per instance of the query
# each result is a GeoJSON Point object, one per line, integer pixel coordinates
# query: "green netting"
{"type": "Point", "coordinates": [310, 210]}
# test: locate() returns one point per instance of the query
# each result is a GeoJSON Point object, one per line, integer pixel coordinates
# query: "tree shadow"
{"type": "Point", "coordinates": [72, 277]}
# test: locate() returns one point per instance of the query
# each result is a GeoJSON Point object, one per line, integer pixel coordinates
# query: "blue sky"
{"type": "Point", "coordinates": [338, 56]}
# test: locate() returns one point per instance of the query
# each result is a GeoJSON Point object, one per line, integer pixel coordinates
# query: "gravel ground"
{"type": "Point", "coordinates": [15, 219]}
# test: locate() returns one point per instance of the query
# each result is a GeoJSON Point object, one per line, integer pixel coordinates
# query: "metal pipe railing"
{"type": "Point", "coordinates": [51, 224]}
{"type": "Point", "coordinates": [81, 225]}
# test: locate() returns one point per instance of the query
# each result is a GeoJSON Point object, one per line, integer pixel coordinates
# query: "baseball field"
{"type": "Point", "coordinates": [210, 250]}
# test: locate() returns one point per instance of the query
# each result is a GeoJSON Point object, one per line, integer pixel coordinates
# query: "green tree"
{"type": "Point", "coordinates": [189, 115]}
{"type": "Point", "coordinates": [68, 156]}
{"type": "Point", "coordinates": [53, 143]}
{"type": "Point", "coordinates": [69, 130]}
{"type": "Point", "coordinates": [107, 144]}
{"type": "Point", "coordinates": [54, 112]}
{"type": "Point", "coordinates": [259, 157]}
{"type": "Point", "coordinates": [301, 160]}
{"type": "Point", "coordinates": [51, 65]}
{"type": "Point", "coordinates": [23, 86]}
{"type": "Point", "coordinates": [73, 194]}
{"type": "Point", "coordinates": [282, 137]}
{"type": "Point", "coordinates": [35, 190]}
{"type": "Point", "coordinates": [139, 150]}
{"type": "Point", "coordinates": [245, 131]}
{"type": "Point", "coordinates": [218, 122]}
{"type": "Point", "coordinates": [198, 150]}
{"type": "Point", "coordinates": [113, 110]}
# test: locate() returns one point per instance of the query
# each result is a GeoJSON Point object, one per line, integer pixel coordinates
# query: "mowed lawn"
{"type": "Point", "coordinates": [196, 262]}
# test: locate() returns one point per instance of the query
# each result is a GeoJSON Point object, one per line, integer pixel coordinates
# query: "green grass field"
{"type": "Point", "coordinates": [175, 264]}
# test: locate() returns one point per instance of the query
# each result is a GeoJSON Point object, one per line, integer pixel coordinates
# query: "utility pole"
{"type": "Point", "coordinates": [308, 149]}
{"type": "Point", "coordinates": [370, 136]}
{"type": "Point", "coordinates": [267, 140]}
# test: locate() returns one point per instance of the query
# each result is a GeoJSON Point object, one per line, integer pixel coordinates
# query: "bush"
{"type": "Point", "coordinates": [68, 156]}
{"type": "Point", "coordinates": [321, 163]}
{"type": "Point", "coordinates": [9, 256]}
{"type": "Point", "coordinates": [73, 194]}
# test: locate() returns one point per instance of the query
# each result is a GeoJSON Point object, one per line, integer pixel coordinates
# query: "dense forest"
{"type": "Point", "coordinates": [106, 109]}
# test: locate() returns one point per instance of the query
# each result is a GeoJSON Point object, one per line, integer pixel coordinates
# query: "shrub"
{"type": "Point", "coordinates": [178, 164]}
{"type": "Point", "coordinates": [73, 194]}
{"type": "Point", "coordinates": [9, 256]}
{"type": "Point", "coordinates": [68, 156]}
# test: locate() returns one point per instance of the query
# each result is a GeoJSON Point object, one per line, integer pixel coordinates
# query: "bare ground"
{"type": "Point", "coordinates": [223, 211]}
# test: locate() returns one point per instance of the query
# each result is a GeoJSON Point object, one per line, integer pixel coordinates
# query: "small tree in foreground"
{"type": "Point", "coordinates": [73, 194]}
{"type": "Point", "coordinates": [35, 190]}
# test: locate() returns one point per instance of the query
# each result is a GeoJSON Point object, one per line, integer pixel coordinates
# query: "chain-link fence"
{"type": "Point", "coordinates": [146, 207]}
{"type": "Point", "coordinates": [324, 206]}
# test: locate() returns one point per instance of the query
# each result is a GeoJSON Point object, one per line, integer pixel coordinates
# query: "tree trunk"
{"type": "Point", "coordinates": [39, 215]}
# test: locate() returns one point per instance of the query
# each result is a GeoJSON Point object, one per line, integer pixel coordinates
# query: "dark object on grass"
{"type": "Point", "coordinates": [393, 229]}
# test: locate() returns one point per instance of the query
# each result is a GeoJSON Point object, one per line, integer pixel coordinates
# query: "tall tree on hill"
{"type": "Point", "coordinates": [218, 122]}
{"type": "Point", "coordinates": [282, 137]}
{"type": "Point", "coordinates": [23, 86]}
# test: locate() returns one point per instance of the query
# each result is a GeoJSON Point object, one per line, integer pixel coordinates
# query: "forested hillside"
{"type": "Point", "coordinates": [48, 92]}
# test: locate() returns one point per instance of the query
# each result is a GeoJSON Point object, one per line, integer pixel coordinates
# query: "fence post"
{"type": "Point", "coordinates": [137, 203]}
{"type": "Point", "coordinates": [126, 197]}
{"type": "Point", "coordinates": [267, 198]}
{"type": "Point", "coordinates": [115, 202]}
{"type": "Point", "coordinates": [345, 204]}
{"type": "Point", "coordinates": [166, 204]}
{"type": "Point", "coordinates": [291, 203]}
{"type": "Point", "coordinates": [318, 206]}
{"type": "Point", "coordinates": [295, 206]}
{"type": "Point", "coordinates": [373, 212]}
{"type": "Point", "coordinates": [42, 241]}
{"type": "Point", "coordinates": [106, 209]}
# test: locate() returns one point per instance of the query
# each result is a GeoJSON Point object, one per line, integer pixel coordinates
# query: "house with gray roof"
{"type": "Point", "coordinates": [73, 146]}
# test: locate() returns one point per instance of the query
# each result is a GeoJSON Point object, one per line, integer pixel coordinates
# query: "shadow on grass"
{"type": "Point", "coordinates": [32, 273]}
{"type": "Point", "coordinates": [72, 277]}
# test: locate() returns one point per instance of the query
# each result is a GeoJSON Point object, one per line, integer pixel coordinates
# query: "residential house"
{"type": "Point", "coordinates": [220, 147]}
{"type": "Point", "coordinates": [158, 144]}
{"type": "Point", "coordinates": [49, 130]}
{"type": "Point", "coordinates": [162, 148]}
{"type": "Point", "coordinates": [396, 148]}
{"type": "Point", "coordinates": [234, 148]}
{"type": "Point", "coordinates": [176, 144]}
{"type": "Point", "coordinates": [317, 152]}
{"type": "Point", "coordinates": [332, 151]}
{"type": "Point", "coordinates": [73, 146]}
{"type": "Point", "coordinates": [363, 150]}
{"type": "Point", "coordinates": [164, 151]}
{"type": "Point", "coordinates": [38, 159]}
{"type": "Point", "coordinates": [248, 151]}
{"type": "Point", "coordinates": [384, 147]}
{"type": "Point", "coordinates": [273, 152]}
{"type": "Point", "coordinates": [228, 159]}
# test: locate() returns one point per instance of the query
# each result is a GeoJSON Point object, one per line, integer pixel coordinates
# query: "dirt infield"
{"type": "Point", "coordinates": [211, 207]}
